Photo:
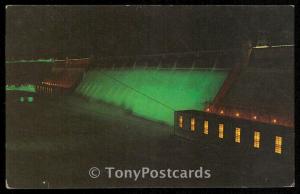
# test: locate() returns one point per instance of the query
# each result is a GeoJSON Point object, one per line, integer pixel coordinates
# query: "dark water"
{"type": "Point", "coordinates": [52, 143]}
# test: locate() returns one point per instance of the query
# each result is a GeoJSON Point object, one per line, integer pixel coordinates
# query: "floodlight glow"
{"type": "Point", "coordinates": [25, 88]}
{"type": "Point", "coordinates": [153, 93]}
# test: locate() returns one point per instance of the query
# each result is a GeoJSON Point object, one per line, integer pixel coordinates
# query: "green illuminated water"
{"type": "Point", "coordinates": [32, 61]}
{"type": "Point", "coordinates": [153, 93]}
{"type": "Point", "coordinates": [26, 88]}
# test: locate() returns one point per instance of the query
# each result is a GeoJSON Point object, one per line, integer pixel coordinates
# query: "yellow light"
{"type": "Point", "coordinates": [206, 127]}
{"type": "Point", "coordinates": [256, 139]}
{"type": "Point", "coordinates": [207, 109]}
{"type": "Point", "coordinates": [180, 122]}
{"type": "Point", "coordinates": [278, 144]}
{"type": "Point", "coordinates": [238, 135]}
{"type": "Point", "coordinates": [221, 131]}
{"type": "Point", "coordinates": [222, 112]}
{"type": "Point", "coordinates": [274, 121]}
{"type": "Point", "coordinates": [237, 114]}
{"type": "Point", "coordinates": [193, 123]}
{"type": "Point", "coordinates": [254, 117]}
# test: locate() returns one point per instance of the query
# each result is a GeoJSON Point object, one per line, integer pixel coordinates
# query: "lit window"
{"type": "Point", "coordinates": [180, 122]}
{"type": "Point", "coordinates": [221, 130]}
{"type": "Point", "coordinates": [278, 143]}
{"type": "Point", "coordinates": [193, 123]}
{"type": "Point", "coordinates": [238, 135]}
{"type": "Point", "coordinates": [205, 127]}
{"type": "Point", "coordinates": [22, 99]}
{"type": "Point", "coordinates": [30, 99]}
{"type": "Point", "coordinates": [256, 139]}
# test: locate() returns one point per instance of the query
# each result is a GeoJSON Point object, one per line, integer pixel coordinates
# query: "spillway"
{"type": "Point", "coordinates": [153, 94]}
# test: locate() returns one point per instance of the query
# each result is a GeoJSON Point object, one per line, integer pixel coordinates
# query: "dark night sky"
{"type": "Point", "coordinates": [80, 31]}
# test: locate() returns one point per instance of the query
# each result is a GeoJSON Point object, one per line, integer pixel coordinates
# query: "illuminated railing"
{"type": "Point", "coordinates": [72, 63]}
{"type": "Point", "coordinates": [68, 62]}
{"type": "Point", "coordinates": [245, 113]}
